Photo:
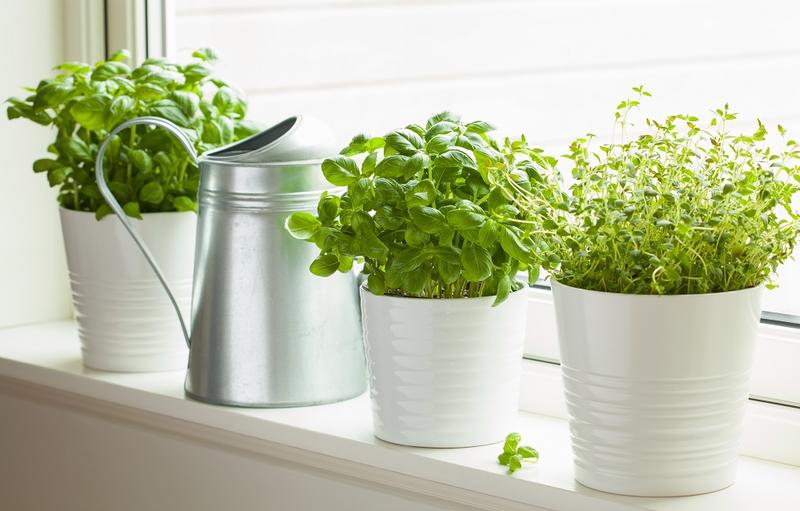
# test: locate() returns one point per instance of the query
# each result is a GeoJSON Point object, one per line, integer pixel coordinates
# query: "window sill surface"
{"type": "Point", "coordinates": [338, 438]}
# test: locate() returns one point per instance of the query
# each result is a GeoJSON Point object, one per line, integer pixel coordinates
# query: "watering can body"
{"type": "Point", "coordinates": [264, 331]}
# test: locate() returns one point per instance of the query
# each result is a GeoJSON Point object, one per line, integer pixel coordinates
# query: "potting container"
{"type": "Point", "coordinates": [656, 387]}
{"type": "Point", "coordinates": [125, 321]}
{"type": "Point", "coordinates": [444, 372]}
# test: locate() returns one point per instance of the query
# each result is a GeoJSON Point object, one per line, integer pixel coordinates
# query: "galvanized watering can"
{"type": "Point", "coordinates": [264, 331]}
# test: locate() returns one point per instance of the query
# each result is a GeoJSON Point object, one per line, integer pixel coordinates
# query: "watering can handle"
{"type": "Point", "coordinates": [112, 201]}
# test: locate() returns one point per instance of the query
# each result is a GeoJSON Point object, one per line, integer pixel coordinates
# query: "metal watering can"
{"type": "Point", "coordinates": [265, 332]}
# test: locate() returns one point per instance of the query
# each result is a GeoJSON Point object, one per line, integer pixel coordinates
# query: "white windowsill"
{"type": "Point", "coordinates": [338, 438]}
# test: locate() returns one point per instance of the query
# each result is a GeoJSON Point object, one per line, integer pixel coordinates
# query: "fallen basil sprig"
{"type": "Point", "coordinates": [432, 211]}
{"type": "Point", "coordinates": [514, 455]}
{"type": "Point", "coordinates": [147, 168]}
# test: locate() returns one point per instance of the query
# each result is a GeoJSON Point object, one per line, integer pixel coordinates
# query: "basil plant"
{"type": "Point", "coordinates": [432, 211]}
{"type": "Point", "coordinates": [148, 170]}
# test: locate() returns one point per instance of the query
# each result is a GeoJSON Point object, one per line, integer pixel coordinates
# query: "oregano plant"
{"type": "Point", "coordinates": [431, 212]}
{"type": "Point", "coordinates": [685, 207]}
{"type": "Point", "coordinates": [148, 171]}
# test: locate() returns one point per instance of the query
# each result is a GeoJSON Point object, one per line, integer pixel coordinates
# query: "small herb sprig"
{"type": "Point", "coordinates": [432, 211]}
{"type": "Point", "coordinates": [686, 207]}
{"type": "Point", "coordinates": [514, 455]}
{"type": "Point", "coordinates": [147, 169]}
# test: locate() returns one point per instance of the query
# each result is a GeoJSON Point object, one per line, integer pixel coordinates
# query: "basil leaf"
{"type": "Point", "coordinates": [151, 193]}
{"type": "Point", "coordinates": [91, 111]}
{"type": "Point", "coordinates": [463, 219]}
{"type": "Point", "coordinates": [324, 265]}
{"type": "Point", "coordinates": [404, 141]}
{"type": "Point", "coordinates": [340, 170]}
{"type": "Point", "coordinates": [429, 220]}
{"type": "Point", "coordinates": [302, 225]}
{"type": "Point", "coordinates": [476, 262]}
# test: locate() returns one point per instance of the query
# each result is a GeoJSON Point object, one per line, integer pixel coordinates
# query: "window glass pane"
{"type": "Point", "coordinates": [552, 70]}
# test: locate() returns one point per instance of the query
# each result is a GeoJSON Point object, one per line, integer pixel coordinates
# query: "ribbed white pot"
{"type": "Point", "coordinates": [443, 372]}
{"type": "Point", "coordinates": [125, 320]}
{"type": "Point", "coordinates": [656, 387]}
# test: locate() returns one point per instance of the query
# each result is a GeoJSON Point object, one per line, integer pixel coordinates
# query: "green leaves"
{"type": "Point", "coordinates": [476, 263]}
{"type": "Point", "coordinates": [141, 160]}
{"type": "Point", "coordinates": [431, 210]}
{"type": "Point", "coordinates": [151, 193]}
{"type": "Point", "coordinates": [429, 220]}
{"type": "Point", "coordinates": [465, 219]}
{"type": "Point", "coordinates": [514, 455]}
{"type": "Point", "coordinates": [404, 141]}
{"type": "Point", "coordinates": [324, 265]}
{"type": "Point", "coordinates": [302, 226]}
{"type": "Point", "coordinates": [340, 171]}
{"type": "Point", "coordinates": [147, 169]}
{"type": "Point", "coordinates": [513, 246]}
{"type": "Point", "coordinates": [206, 54]}
{"type": "Point", "coordinates": [170, 111]}
{"type": "Point", "coordinates": [686, 207]}
{"type": "Point", "coordinates": [120, 108]}
{"type": "Point", "coordinates": [45, 164]}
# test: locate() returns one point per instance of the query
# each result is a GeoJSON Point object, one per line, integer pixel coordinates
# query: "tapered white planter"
{"type": "Point", "coordinates": [656, 387]}
{"type": "Point", "coordinates": [125, 320]}
{"type": "Point", "coordinates": [443, 372]}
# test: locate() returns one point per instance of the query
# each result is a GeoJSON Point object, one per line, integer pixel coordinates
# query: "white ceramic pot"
{"type": "Point", "coordinates": [656, 387]}
{"type": "Point", "coordinates": [443, 372]}
{"type": "Point", "coordinates": [125, 320]}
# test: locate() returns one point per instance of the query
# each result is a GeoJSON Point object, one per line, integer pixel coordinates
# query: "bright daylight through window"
{"type": "Point", "coordinates": [547, 91]}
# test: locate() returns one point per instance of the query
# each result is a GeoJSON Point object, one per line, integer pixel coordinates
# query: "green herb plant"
{"type": "Point", "coordinates": [431, 211]}
{"type": "Point", "coordinates": [686, 207]}
{"type": "Point", "coordinates": [147, 169]}
{"type": "Point", "coordinates": [514, 455]}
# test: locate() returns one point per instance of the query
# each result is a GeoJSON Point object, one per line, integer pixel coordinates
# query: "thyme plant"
{"type": "Point", "coordinates": [687, 207]}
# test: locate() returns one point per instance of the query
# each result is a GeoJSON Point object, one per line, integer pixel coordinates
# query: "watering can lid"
{"type": "Point", "coordinates": [297, 138]}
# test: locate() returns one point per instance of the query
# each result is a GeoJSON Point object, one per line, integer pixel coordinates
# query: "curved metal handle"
{"type": "Point", "coordinates": [112, 201]}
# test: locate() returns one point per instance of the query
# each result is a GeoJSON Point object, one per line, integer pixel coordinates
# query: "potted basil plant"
{"type": "Point", "coordinates": [125, 322]}
{"type": "Point", "coordinates": [431, 213]}
{"type": "Point", "coordinates": [665, 243]}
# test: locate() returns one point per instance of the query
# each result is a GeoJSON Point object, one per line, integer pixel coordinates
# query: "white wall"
{"type": "Point", "coordinates": [33, 275]}
{"type": "Point", "coordinates": [554, 69]}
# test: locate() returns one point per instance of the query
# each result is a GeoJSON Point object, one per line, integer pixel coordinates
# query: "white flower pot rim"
{"type": "Point", "coordinates": [655, 296]}
{"type": "Point", "coordinates": [154, 214]}
{"type": "Point", "coordinates": [464, 299]}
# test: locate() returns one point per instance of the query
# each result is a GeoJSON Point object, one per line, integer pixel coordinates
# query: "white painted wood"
{"type": "Point", "coordinates": [33, 276]}
{"type": "Point", "coordinates": [102, 441]}
{"type": "Point", "coordinates": [126, 27]}
{"type": "Point", "coordinates": [160, 16]}
{"type": "Point", "coordinates": [63, 456]}
{"type": "Point", "coordinates": [84, 30]}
